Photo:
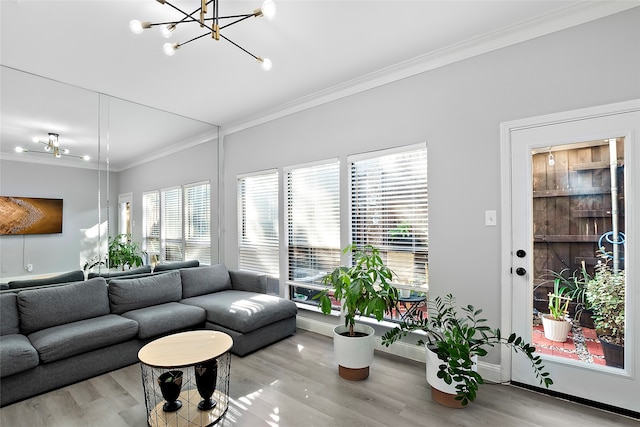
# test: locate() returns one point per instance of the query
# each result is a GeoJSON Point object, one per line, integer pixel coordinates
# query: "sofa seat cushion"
{"type": "Point", "coordinates": [16, 354]}
{"type": "Point", "coordinates": [47, 307]}
{"type": "Point", "coordinates": [131, 294]}
{"type": "Point", "coordinates": [243, 311]}
{"type": "Point", "coordinates": [165, 318]}
{"type": "Point", "coordinates": [60, 342]}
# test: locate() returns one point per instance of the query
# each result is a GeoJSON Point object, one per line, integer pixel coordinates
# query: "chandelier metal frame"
{"type": "Point", "coordinates": [52, 147]}
{"type": "Point", "coordinates": [212, 25]}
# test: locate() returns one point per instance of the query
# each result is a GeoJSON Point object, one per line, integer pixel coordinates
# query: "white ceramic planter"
{"type": "Point", "coordinates": [354, 352]}
{"type": "Point", "coordinates": [442, 392]}
{"type": "Point", "coordinates": [555, 330]}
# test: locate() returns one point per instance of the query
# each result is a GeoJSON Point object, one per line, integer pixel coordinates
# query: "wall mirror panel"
{"type": "Point", "coordinates": [116, 134]}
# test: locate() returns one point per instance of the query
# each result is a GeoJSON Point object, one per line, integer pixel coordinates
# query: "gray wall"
{"type": "Point", "coordinates": [457, 110]}
{"type": "Point", "coordinates": [50, 253]}
{"type": "Point", "coordinates": [195, 164]}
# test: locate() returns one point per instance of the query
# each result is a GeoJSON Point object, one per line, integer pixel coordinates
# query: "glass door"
{"type": "Point", "coordinates": [572, 240]}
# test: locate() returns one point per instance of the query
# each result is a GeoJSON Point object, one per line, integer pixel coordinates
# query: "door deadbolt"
{"type": "Point", "coordinates": [521, 271]}
{"type": "Point", "coordinates": [521, 253]}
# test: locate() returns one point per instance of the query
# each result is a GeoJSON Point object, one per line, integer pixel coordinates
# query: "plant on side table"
{"type": "Point", "coordinates": [556, 323]}
{"type": "Point", "coordinates": [364, 289]}
{"type": "Point", "coordinates": [123, 251]}
{"type": "Point", "coordinates": [453, 344]}
{"type": "Point", "coordinates": [606, 293]}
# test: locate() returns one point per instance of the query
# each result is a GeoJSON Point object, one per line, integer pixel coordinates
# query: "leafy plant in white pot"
{"type": "Point", "coordinates": [453, 344]}
{"type": "Point", "coordinates": [556, 323]}
{"type": "Point", "coordinates": [364, 289]}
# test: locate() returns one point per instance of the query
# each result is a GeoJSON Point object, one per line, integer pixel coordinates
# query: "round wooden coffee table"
{"type": "Point", "coordinates": [186, 378]}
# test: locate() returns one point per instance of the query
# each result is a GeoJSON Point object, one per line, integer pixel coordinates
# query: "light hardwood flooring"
{"type": "Point", "coordinates": [295, 383]}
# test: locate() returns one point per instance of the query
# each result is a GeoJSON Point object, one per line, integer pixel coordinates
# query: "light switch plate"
{"type": "Point", "coordinates": [490, 218]}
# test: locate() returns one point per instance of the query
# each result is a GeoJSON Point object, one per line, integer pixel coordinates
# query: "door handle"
{"type": "Point", "coordinates": [521, 271]}
{"type": "Point", "coordinates": [521, 253]}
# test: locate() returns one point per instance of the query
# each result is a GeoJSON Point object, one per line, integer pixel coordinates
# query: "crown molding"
{"type": "Point", "coordinates": [176, 148]}
{"type": "Point", "coordinates": [561, 19]}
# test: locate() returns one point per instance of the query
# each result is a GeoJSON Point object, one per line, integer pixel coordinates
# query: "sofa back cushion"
{"type": "Point", "coordinates": [131, 294]}
{"type": "Point", "coordinates": [205, 280]}
{"type": "Point", "coordinates": [46, 307]}
{"type": "Point", "coordinates": [130, 272]}
{"type": "Point", "coordinates": [72, 276]}
{"type": "Point", "coordinates": [9, 319]}
{"type": "Point", "coordinates": [176, 265]}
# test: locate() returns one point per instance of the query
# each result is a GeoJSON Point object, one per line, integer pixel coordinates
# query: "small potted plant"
{"type": "Point", "coordinates": [576, 285]}
{"type": "Point", "coordinates": [453, 343]}
{"type": "Point", "coordinates": [606, 294]}
{"type": "Point", "coordinates": [364, 289]}
{"type": "Point", "coordinates": [123, 251]}
{"type": "Point", "coordinates": [556, 323]}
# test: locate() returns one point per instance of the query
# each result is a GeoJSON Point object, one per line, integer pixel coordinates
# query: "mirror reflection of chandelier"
{"type": "Point", "coordinates": [210, 24]}
{"type": "Point", "coordinates": [51, 146]}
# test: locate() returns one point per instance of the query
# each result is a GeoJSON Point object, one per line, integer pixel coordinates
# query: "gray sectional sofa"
{"type": "Point", "coordinates": [58, 335]}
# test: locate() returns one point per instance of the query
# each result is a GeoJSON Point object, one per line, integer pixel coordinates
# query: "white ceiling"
{"type": "Point", "coordinates": [320, 50]}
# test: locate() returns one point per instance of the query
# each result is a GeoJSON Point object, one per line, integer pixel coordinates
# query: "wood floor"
{"type": "Point", "coordinates": [295, 383]}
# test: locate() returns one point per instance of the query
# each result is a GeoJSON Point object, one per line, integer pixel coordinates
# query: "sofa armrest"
{"type": "Point", "coordinates": [248, 281]}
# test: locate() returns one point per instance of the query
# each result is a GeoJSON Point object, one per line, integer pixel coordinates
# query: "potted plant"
{"type": "Point", "coordinates": [364, 289]}
{"type": "Point", "coordinates": [556, 323]}
{"type": "Point", "coordinates": [605, 292]}
{"type": "Point", "coordinates": [123, 251]}
{"type": "Point", "coordinates": [453, 344]}
{"type": "Point", "coordinates": [576, 285]}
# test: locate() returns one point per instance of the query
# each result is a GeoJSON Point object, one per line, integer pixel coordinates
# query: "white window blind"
{"type": "Point", "coordinates": [389, 210]}
{"type": "Point", "coordinates": [151, 224]}
{"type": "Point", "coordinates": [197, 222]}
{"type": "Point", "coordinates": [258, 243]}
{"type": "Point", "coordinates": [171, 207]}
{"type": "Point", "coordinates": [313, 221]}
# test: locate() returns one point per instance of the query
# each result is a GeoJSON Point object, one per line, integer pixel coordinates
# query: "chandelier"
{"type": "Point", "coordinates": [211, 25]}
{"type": "Point", "coordinates": [51, 146]}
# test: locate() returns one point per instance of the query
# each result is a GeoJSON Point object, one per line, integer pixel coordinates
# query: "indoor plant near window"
{"type": "Point", "coordinates": [605, 292]}
{"type": "Point", "coordinates": [453, 344]}
{"type": "Point", "coordinates": [123, 251]}
{"type": "Point", "coordinates": [556, 323]}
{"type": "Point", "coordinates": [364, 289]}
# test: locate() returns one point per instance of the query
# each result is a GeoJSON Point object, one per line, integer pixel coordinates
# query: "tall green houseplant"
{"type": "Point", "coordinates": [364, 288]}
{"type": "Point", "coordinates": [123, 251]}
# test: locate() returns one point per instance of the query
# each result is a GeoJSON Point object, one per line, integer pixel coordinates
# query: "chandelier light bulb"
{"type": "Point", "coordinates": [20, 150]}
{"type": "Point", "coordinates": [58, 155]}
{"type": "Point", "coordinates": [65, 151]}
{"type": "Point", "coordinates": [168, 30]}
{"type": "Point", "coordinates": [268, 9]}
{"type": "Point", "coordinates": [170, 48]}
{"type": "Point", "coordinates": [266, 63]}
{"type": "Point", "coordinates": [136, 26]}
{"type": "Point", "coordinates": [86, 157]}
{"type": "Point", "coordinates": [47, 148]}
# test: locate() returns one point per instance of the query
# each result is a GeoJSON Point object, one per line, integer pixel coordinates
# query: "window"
{"type": "Point", "coordinates": [171, 238]}
{"type": "Point", "coordinates": [176, 223]}
{"type": "Point", "coordinates": [151, 225]}
{"type": "Point", "coordinates": [389, 209]}
{"type": "Point", "coordinates": [313, 226]}
{"type": "Point", "coordinates": [258, 246]}
{"type": "Point", "coordinates": [197, 222]}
